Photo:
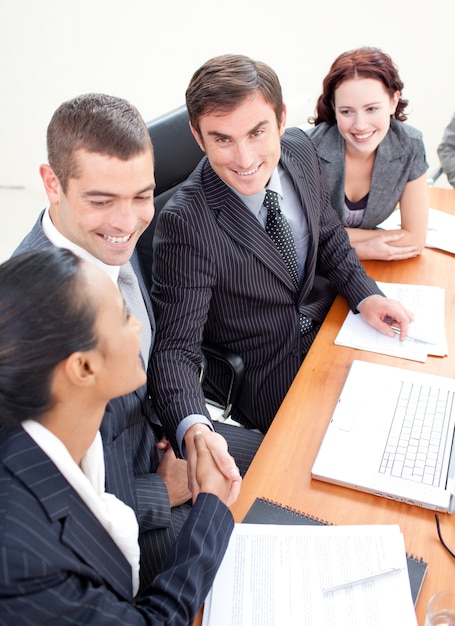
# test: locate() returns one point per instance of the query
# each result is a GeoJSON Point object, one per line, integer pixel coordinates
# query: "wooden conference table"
{"type": "Point", "coordinates": [281, 470]}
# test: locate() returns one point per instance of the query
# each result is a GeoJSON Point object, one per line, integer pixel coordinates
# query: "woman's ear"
{"type": "Point", "coordinates": [80, 368]}
{"type": "Point", "coordinates": [394, 100]}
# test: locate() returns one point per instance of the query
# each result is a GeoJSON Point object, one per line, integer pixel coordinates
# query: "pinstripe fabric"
{"type": "Point", "coordinates": [59, 566]}
{"type": "Point", "coordinates": [131, 457]}
{"type": "Point", "coordinates": [130, 454]}
{"type": "Point", "coordinates": [218, 276]}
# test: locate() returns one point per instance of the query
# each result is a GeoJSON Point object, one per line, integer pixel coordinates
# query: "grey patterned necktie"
{"type": "Point", "coordinates": [131, 292]}
{"type": "Point", "coordinates": [279, 231]}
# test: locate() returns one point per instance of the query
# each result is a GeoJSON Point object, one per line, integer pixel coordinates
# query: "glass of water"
{"type": "Point", "coordinates": [441, 609]}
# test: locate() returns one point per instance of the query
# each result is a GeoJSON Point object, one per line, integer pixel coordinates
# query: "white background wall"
{"type": "Point", "coordinates": [146, 52]}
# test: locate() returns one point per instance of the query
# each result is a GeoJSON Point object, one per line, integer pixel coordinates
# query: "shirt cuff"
{"type": "Point", "coordinates": [185, 424]}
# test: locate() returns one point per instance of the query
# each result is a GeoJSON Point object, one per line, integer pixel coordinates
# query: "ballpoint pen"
{"type": "Point", "coordinates": [364, 579]}
{"type": "Point", "coordinates": [397, 331]}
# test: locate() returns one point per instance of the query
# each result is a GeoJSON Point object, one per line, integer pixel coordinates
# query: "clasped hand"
{"type": "Point", "coordinates": [211, 469]}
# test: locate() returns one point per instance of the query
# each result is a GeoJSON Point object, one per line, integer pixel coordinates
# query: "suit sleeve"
{"type": "Point", "coordinates": [175, 596]}
{"type": "Point", "coordinates": [184, 275]}
{"type": "Point", "coordinates": [339, 262]}
{"type": "Point", "coordinates": [189, 570]}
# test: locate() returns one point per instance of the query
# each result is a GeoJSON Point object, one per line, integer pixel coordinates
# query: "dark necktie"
{"type": "Point", "coordinates": [279, 231]}
{"type": "Point", "coordinates": [131, 292]}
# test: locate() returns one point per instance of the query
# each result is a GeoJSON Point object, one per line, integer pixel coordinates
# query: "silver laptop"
{"type": "Point", "coordinates": [392, 434]}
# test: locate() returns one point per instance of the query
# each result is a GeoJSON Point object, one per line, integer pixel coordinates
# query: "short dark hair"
{"type": "Point", "coordinates": [45, 316]}
{"type": "Point", "coordinates": [224, 82]}
{"type": "Point", "coordinates": [363, 62]}
{"type": "Point", "coordinates": [96, 123]}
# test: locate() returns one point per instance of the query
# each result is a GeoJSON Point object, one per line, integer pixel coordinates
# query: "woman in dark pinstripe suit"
{"type": "Point", "coordinates": [69, 550]}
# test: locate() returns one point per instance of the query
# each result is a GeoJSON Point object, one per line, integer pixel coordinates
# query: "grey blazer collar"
{"type": "Point", "coordinates": [331, 150]}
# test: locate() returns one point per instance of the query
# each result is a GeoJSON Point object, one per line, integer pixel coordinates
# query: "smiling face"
{"type": "Point", "coordinates": [243, 145]}
{"type": "Point", "coordinates": [107, 207]}
{"type": "Point", "coordinates": [116, 357]}
{"type": "Point", "coordinates": [362, 110]}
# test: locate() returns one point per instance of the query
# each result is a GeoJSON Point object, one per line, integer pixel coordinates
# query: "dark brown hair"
{"type": "Point", "coordinates": [96, 123]}
{"type": "Point", "coordinates": [359, 63]}
{"type": "Point", "coordinates": [224, 82]}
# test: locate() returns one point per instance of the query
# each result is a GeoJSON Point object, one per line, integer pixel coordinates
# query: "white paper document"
{"type": "Point", "coordinates": [440, 233]}
{"type": "Point", "coordinates": [426, 335]}
{"type": "Point", "coordinates": [283, 575]}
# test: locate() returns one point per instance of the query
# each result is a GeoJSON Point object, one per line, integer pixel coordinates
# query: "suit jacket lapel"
{"type": "Point", "coordinates": [306, 193]}
{"type": "Point", "coordinates": [389, 150]}
{"type": "Point", "coordinates": [81, 531]}
{"type": "Point", "coordinates": [239, 223]}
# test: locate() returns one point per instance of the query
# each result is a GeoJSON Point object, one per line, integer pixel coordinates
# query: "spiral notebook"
{"type": "Point", "coordinates": [265, 511]}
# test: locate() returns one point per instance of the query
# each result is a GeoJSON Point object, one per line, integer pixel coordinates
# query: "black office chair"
{"type": "Point", "coordinates": [176, 155]}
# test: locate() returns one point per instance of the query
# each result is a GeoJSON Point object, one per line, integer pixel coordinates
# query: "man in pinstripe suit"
{"type": "Point", "coordinates": [218, 275]}
{"type": "Point", "coordinates": [100, 182]}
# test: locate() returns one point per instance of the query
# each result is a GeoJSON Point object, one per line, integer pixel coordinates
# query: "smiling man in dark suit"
{"type": "Point", "coordinates": [100, 182]}
{"type": "Point", "coordinates": [218, 273]}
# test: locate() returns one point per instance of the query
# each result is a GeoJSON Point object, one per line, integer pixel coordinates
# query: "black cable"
{"type": "Point", "coordinates": [438, 526]}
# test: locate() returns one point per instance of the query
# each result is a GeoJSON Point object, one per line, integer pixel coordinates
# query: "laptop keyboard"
{"type": "Point", "coordinates": [415, 446]}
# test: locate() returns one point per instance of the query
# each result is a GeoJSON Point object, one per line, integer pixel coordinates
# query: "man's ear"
{"type": "Point", "coordinates": [51, 183]}
{"type": "Point", "coordinates": [282, 125]}
{"type": "Point", "coordinates": [80, 368]}
{"type": "Point", "coordinates": [197, 137]}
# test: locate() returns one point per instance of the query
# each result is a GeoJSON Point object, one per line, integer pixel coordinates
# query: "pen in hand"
{"type": "Point", "coordinates": [397, 330]}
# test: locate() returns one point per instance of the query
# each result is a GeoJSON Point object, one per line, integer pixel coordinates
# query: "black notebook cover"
{"type": "Point", "coordinates": [265, 511]}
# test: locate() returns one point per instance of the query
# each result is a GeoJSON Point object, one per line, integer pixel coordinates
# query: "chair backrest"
{"type": "Point", "coordinates": [176, 155]}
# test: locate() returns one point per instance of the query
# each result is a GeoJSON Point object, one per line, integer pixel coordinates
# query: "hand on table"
{"type": "Point", "coordinates": [380, 247]}
{"type": "Point", "coordinates": [381, 312]}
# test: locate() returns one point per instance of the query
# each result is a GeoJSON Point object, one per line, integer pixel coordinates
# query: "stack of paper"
{"type": "Point", "coordinates": [426, 335]}
{"type": "Point", "coordinates": [306, 575]}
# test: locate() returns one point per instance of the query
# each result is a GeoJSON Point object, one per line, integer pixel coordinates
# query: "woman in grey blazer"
{"type": "Point", "coordinates": [371, 159]}
{"type": "Point", "coordinates": [69, 549]}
